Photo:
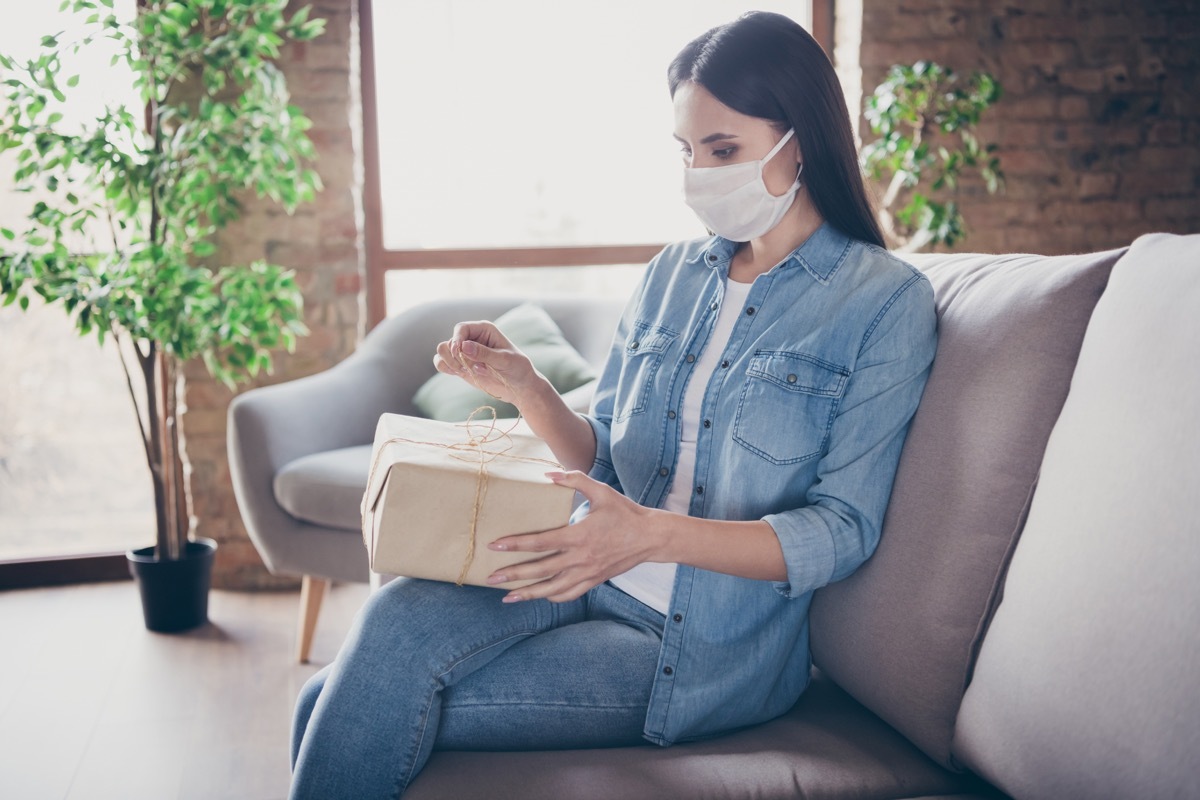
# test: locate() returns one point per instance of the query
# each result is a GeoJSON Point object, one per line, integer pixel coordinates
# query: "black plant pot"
{"type": "Point", "coordinates": [174, 593]}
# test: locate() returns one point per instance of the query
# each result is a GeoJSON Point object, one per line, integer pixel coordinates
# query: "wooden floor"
{"type": "Point", "coordinates": [94, 706]}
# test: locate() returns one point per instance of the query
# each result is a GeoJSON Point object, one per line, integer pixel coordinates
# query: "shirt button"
{"type": "Point", "coordinates": [750, 311]}
{"type": "Point", "coordinates": [699, 490]}
{"type": "Point", "coordinates": [713, 307]}
{"type": "Point", "coordinates": [670, 415]}
{"type": "Point", "coordinates": [791, 378]}
{"type": "Point", "coordinates": [712, 257]}
{"type": "Point", "coordinates": [678, 617]}
{"type": "Point", "coordinates": [668, 671]}
{"type": "Point", "coordinates": [724, 365]}
{"type": "Point", "coordinates": [633, 346]}
{"type": "Point", "coordinates": [708, 423]}
{"type": "Point", "coordinates": [664, 472]}
{"type": "Point", "coordinates": [690, 358]}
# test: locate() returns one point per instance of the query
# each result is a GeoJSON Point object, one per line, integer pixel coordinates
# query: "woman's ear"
{"type": "Point", "coordinates": [794, 146]}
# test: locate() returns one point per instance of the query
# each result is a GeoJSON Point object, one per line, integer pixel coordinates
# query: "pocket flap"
{"type": "Point", "coordinates": [646, 338]}
{"type": "Point", "coordinates": [799, 372]}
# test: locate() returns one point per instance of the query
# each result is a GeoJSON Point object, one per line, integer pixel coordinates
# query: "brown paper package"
{"type": "Point", "coordinates": [421, 497]}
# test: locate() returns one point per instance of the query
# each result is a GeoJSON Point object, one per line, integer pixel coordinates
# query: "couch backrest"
{"type": "Point", "coordinates": [587, 323]}
{"type": "Point", "coordinates": [901, 633]}
{"type": "Point", "coordinates": [402, 346]}
{"type": "Point", "coordinates": [1087, 682]}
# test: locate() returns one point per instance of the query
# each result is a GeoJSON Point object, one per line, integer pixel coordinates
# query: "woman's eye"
{"type": "Point", "coordinates": [724, 152]}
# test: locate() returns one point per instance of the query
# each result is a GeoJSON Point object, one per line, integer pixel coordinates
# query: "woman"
{"type": "Point", "coordinates": [739, 454]}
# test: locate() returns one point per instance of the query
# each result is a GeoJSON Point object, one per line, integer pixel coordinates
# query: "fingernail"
{"type": "Point", "coordinates": [469, 347]}
{"type": "Point", "coordinates": [556, 476]}
{"type": "Point", "coordinates": [480, 368]}
{"type": "Point", "coordinates": [494, 579]}
{"type": "Point", "coordinates": [497, 546]}
{"type": "Point", "coordinates": [513, 598]}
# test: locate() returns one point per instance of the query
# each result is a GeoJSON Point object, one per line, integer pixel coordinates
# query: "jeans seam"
{"type": "Point", "coordinates": [424, 726]}
{"type": "Point", "coordinates": [546, 704]}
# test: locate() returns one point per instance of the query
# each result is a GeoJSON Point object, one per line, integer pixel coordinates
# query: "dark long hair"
{"type": "Point", "coordinates": [765, 65]}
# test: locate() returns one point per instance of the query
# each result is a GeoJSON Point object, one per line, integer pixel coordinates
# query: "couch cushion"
{"type": "Point", "coordinates": [900, 634]}
{"type": "Point", "coordinates": [1086, 685]}
{"type": "Point", "coordinates": [529, 327]}
{"type": "Point", "coordinates": [326, 488]}
{"type": "Point", "coordinates": [827, 746]}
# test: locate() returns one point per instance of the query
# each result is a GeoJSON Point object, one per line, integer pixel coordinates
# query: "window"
{"type": "Point", "coordinates": [526, 134]}
{"type": "Point", "coordinates": [73, 477]}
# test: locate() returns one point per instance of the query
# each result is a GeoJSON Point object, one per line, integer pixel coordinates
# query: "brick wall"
{"type": "Point", "coordinates": [322, 243]}
{"type": "Point", "coordinates": [1099, 126]}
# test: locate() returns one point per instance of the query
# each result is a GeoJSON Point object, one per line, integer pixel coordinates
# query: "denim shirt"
{"type": "Point", "coordinates": [803, 422]}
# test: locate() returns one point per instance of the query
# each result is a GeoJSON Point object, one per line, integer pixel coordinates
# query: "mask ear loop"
{"type": "Point", "coordinates": [775, 150]}
{"type": "Point", "coordinates": [778, 146]}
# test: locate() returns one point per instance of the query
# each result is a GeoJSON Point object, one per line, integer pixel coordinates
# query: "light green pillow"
{"type": "Point", "coordinates": [529, 327]}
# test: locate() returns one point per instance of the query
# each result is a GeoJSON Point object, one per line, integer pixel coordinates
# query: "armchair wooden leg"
{"type": "Point", "coordinates": [312, 591]}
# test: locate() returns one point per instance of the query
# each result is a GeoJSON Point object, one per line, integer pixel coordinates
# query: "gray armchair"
{"type": "Point", "coordinates": [299, 452]}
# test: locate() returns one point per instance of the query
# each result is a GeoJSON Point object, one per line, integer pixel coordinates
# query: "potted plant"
{"type": "Point", "coordinates": [926, 115]}
{"type": "Point", "coordinates": [156, 182]}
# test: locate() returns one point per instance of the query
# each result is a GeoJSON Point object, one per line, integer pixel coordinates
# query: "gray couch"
{"type": "Point", "coordinates": [1030, 624]}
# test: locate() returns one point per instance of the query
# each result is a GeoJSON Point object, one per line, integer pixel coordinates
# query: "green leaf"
{"type": "Point", "coordinates": [73, 81]}
{"type": "Point", "coordinates": [24, 301]}
{"type": "Point", "coordinates": [7, 234]}
{"type": "Point", "coordinates": [311, 30]}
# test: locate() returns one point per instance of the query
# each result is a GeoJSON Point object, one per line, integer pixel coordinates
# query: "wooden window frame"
{"type": "Point", "coordinates": [104, 566]}
{"type": "Point", "coordinates": [380, 260]}
{"type": "Point", "coordinates": [28, 573]}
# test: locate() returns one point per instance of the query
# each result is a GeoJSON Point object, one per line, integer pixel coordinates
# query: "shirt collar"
{"type": "Point", "coordinates": [820, 255]}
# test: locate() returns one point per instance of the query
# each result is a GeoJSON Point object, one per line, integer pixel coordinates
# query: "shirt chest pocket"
{"type": "Point", "coordinates": [645, 348]}
{"type": "Point", "coordinates": [787, 406]}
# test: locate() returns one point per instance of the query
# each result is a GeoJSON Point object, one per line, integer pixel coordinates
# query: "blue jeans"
{"type": "Point", "coordinates": [433, 666]}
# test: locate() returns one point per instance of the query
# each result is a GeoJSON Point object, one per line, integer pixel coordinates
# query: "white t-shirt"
{"type": "Point", "coordinates": [651, 582]}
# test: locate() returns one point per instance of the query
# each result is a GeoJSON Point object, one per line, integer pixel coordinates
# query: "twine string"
{"type": "Point", "coordinates": [473, 449]}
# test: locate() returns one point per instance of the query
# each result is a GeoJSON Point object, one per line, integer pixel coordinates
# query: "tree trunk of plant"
{"type": "Point", "coordinates": [183, 518]}
{"type": "Point", "coordinates": [170, 544]}
{"type": "Point", "coordinates": [172, 523]}
{"type": "Point", "coordinates": [149, 363]}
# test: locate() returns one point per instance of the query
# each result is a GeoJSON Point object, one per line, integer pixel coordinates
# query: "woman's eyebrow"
{"type": "Point", "coordinates": [712, 137]}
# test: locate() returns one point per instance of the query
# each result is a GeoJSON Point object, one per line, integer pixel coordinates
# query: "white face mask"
{"type": "Point", "coordinates": [733, 201]}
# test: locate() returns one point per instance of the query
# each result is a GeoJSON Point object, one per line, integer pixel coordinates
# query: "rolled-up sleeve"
{"type": "Point", "coordinates": [839, 526]}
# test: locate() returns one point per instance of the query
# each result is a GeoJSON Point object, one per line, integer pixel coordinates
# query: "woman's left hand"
{"type": "Point", "coordinates": [616, 535]}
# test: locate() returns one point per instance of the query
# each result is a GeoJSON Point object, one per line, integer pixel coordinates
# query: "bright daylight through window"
{"type": "Point", "coordinates": [72, 471]}
{"type": "Point", "coordinates": [532, 123]}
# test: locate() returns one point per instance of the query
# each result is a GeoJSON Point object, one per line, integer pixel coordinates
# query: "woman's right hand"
{"type": "Point", "coordinates": [481, 355]}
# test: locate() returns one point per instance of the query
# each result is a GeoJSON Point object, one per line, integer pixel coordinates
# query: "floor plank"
{"type": "Point", "coordinates": [94, 706]}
